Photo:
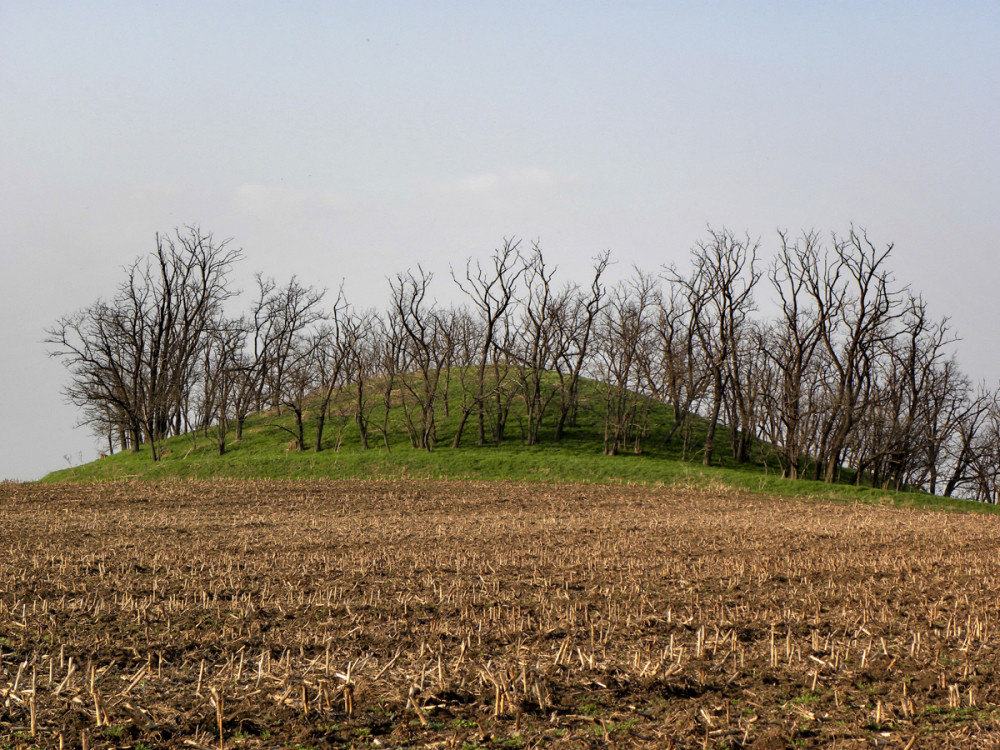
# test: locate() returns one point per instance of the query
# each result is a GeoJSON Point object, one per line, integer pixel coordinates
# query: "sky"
{"type": "Point", "coordinates": [344, 142]}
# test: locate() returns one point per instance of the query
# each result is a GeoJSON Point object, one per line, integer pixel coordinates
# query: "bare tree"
{"type": "Point", "coordinates": [970, 412]}
{"type": "Point", "coordinates": [792, 342]}
{"type": "Point", "coordinates": [421, 338]}
{"type": "Point", "coordinates": [856, 296]}
{"type": "Point", "coordinates": [745, 395]}
{"type": "Point", "coordinates": [334, 346]}
{"type": "Point", "coordinates": [389, 358]}
{"type": "Point", "coordinates": [906, 375]}
{"type": "Point", "coordinates": [574, 322]}
{"type": "Point", "coordinates": [621, 334]}
{"type": "Point", "coordinates": [947, 392]}
{"type": "Point", "coordinates": [139, 353]}
{"type": "Point", "coordinates": [537, 340]}
{"type": "Point", "coordinates": [720, 288]}
{"type": "Point", "coordinates": [103, 346]}
{"type": "Point", "coordinates": [984, 464]}
{"type": "Point", "coordinates": [360, 332]}
{"type": "Point", "coordinates": [852, 374]}
{"type": "Point", "coordinates": [672, 366]}
{"type": "Point", "coordinates": [287, 314]}
{"type": "Point", "coordinates": [299, 380]}
{"type": "Point", "coordinates": [252, 372]}
{"type": "Point", "coordinates": [221, 377]}
{"type": "Point", "coordinates": [491, 291]}
{"type": "Point", "coordinates": [465, 333]}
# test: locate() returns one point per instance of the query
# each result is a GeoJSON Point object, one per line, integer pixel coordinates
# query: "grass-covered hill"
{"type": "Point", "coordinates": [265, 452]}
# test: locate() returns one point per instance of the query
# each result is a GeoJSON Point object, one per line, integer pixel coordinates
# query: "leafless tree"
{"type": "Point", "coordinates": [745, 396]}
{"type": "Point", "coordinates": [621, 334]}
{"type": "Point", "coordinates": [720, 287]}
{"type": "Point", "coordinates": [574, 321]}
{"type": "Point", "coordinates": [425, 356]}
{"type": "Point", "coordinates": [792, 342]}
{"type": "Point", "coordinates": [899, 416]}
{"type": "Point", "coordinates": [536, 340]}
{"type": "Point", "coordinates": [672, 366]}
{"type": "Point", "coordinates": [857, 298]}
{"type": "Point", "coordinates": [288, 314]}
{"type": "Point", "coordinates": [102, 346]}
{"type": "Point", "coordinates": [251, 375]}
{"type": "Point", "coordinates": [331, 355]}
{"type": "Point", "coordinates": [221, 376]}
{"type": "Point", "coordinates": [360, 333]}
{"type": "Point", "coordinates": [852, 374]}
{"type": "Point", "coordinates": [299, 380]}
{"type": "Point", "coordinates": [464, 332]}
{"type": "Point", "coordinates": [969, 414]}
{"type": "Point", "coordinates": [388, 357]}
{"type": "Point", "coordinates": [491, 292]}
{"type": "Point", "coordinates": [984, 464]}
{"type": "Point", "coordinates": [139, 353]}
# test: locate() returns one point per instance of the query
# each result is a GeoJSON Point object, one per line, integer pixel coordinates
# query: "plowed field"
{"type": "Point", "coordinates": [339, 614]}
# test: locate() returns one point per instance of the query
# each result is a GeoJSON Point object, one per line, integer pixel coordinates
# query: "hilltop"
{"type": "Point", "coordinates": [853, 380]}
{"type": "Point", "coordinates": [265, 452]}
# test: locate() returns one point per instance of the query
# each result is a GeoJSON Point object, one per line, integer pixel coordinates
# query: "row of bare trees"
{"type": "Point", "coordinates": [849, 375]}
{"type": "Point", "coordinates": [136, 359]}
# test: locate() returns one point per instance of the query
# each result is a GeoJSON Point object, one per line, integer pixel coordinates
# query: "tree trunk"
{"type": "Point", "coordinates": [153, 452]}
{"type": "Point", "coordinates": [359, 416]}
{"type": "Point", "coordinates": [320, 422]}
{"type": "Point", "coordinates": [300, 430]}
{"type": "Point", "coordinates": [561, 422]}
{"type": "Point", "coordinates": [362, 429]}
{"type": "Point", "coordinates": [461, 426]}
{"type": "Point", "coordinates": [710, 436]}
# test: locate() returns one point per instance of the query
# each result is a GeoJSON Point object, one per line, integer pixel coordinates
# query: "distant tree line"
{"type": "Point", "coordinates": [851, 372]}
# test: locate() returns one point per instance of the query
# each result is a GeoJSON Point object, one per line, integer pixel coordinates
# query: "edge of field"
{"type": "Point", "coordinates": [678, 477]}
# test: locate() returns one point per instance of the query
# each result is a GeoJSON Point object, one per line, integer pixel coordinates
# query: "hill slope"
{"type": "Point", "coordinates": [265, 452]}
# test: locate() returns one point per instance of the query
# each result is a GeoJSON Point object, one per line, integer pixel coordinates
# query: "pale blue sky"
{"type": "Point", "coordinates": [352, 140]}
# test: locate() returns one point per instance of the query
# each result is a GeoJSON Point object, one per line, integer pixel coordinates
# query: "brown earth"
{"type": "Point", "coordinates": [339, 614]}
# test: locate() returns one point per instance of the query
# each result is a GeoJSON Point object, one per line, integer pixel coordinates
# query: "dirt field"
{"type": "Point", "coordinates": [313, 615]}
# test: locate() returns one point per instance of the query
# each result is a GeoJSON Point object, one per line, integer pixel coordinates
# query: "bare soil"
{"type": "Point", "coordinates": [464, 615]}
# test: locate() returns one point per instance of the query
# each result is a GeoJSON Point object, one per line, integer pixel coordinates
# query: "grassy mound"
{"type": "Point", "coordinates": [265, 452]}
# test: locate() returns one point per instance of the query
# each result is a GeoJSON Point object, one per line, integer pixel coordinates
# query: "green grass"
{"type": "Point", "coordinates": [264, 453]}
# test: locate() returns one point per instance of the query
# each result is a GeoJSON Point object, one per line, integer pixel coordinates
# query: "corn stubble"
{"type": "Point", "coordinates": [381, 614]}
